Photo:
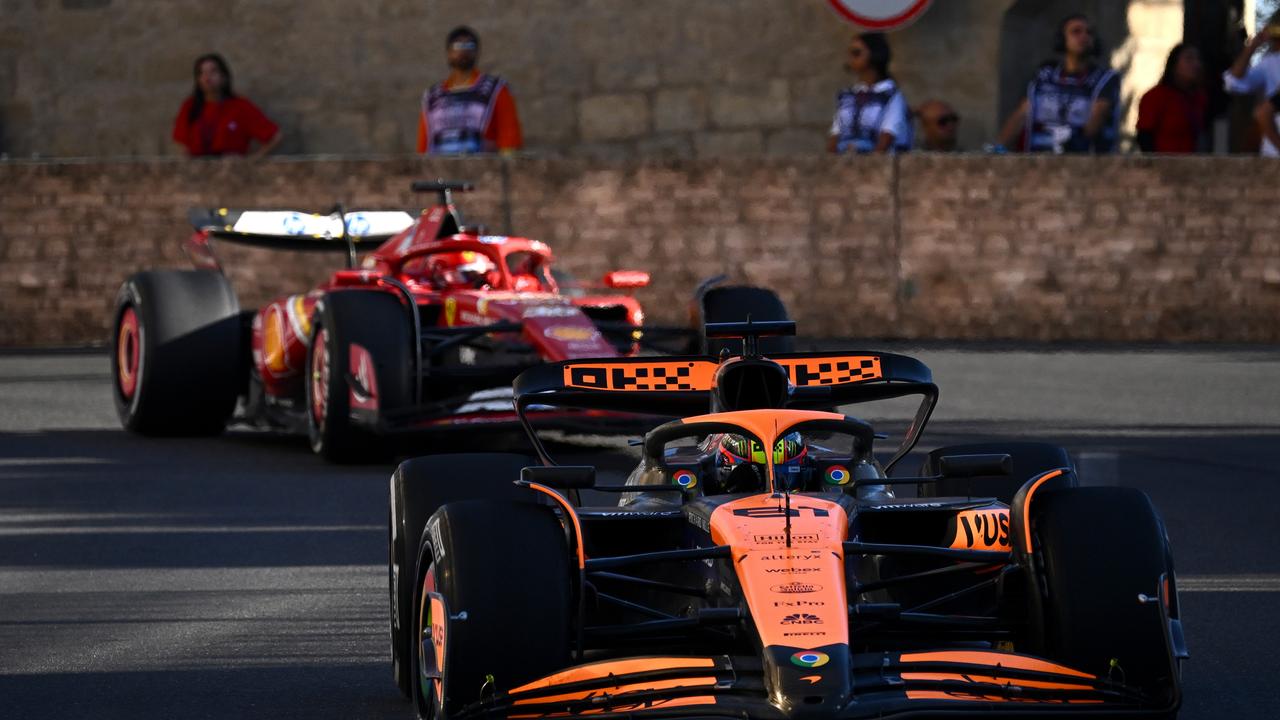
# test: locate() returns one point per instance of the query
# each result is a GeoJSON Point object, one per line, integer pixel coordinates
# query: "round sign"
{"type": "Point", "coordinates": [880, 14]}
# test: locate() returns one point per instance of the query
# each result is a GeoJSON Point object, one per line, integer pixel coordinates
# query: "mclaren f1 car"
{"type": "Point", "coordinates": [758, 562]}
{"type": "Point", "coordinates": [424, 330]}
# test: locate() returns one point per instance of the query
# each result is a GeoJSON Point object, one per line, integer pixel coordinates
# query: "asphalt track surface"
{"type": "Point", "coordinates": [241, 577]}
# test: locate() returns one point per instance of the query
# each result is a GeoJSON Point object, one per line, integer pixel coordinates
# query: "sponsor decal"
{"type": "Point", "coordinates": [450, 311]}
{"type": "Point", "coordinates": [837, 475]}
{"type": "Point", "coordinates": [799, 603]}
{"type": "Point", "coordinates": [685, 479]}
{"type": "Point", "coordinates": [810, 658]}
{"type": "Point", "coordinates": [793, 588]}
{"type": "Point", "coordinates": [792, 570]}
{"type": "Point", "coordinates": [794, 555]}
{"type": "Point", "coordinates": [811, 679]}
{"type": "Point", "coordinates": [778, 512]}
{"type": "Point", "coordinates": [982, 529]}
{"type": "Point", "coordinates": [482, 306]}
{"type": "Point", "coordinates": [805, 633]}
{"type": "Point", "coordinates": [802, 619]}
{"type": "Point", "coordinates": [657, 375]}
{"type": "Point", "coordinates": [570, 333]}
{"type": "Point", "coordinates": [780, 538]}
{"type": "Point", "coordinates": [700, 521]}
{"type": "Point", "coordinates": [831, 370]}
{"type": "Point", "coordinates": [544, 311]}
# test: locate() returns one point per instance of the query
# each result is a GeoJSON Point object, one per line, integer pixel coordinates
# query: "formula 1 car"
{"type": "Point", "coordinates": [757, 563]}
{"type": "Point", "coordinates": [426, 332]}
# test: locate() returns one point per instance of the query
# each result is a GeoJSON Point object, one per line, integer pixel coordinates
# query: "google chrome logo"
{"type": "Point", "coordinates": [837, 475]}
{"type": "Point", "coordinates": [810, 658]}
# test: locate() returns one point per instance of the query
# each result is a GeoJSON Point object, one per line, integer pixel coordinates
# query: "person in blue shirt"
{"type": "Point", "coordinates": [1072, 104]}
{"type": "Point", "coordinates": [872, 116]}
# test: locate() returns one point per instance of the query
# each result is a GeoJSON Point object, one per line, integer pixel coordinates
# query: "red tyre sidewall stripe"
{"type": "Point", "coordinates": [128, 352]}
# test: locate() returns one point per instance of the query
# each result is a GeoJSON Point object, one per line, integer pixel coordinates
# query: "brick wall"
{"type": "Point", "coordinates": [970, 247]}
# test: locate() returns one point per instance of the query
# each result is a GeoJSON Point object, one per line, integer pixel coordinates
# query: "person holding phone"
{"type": "Point", "coordinates": [1263, 78]}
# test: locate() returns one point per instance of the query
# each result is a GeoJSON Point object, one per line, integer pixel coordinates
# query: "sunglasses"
{"type": "Point", "coordinates": [463, 45]}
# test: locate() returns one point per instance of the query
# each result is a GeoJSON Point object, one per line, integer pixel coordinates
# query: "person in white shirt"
{"type": "Point", "coordinates": [1263, 78]}
{"type": "Point", "coordinates": [872, 116]}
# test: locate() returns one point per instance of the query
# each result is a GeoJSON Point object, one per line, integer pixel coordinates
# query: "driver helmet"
{"type": "Point", "coordinates": [737, 452]}
{"type": "Point", "coordinates": [461, 269]}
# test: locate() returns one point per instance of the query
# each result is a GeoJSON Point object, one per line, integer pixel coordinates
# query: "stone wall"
{"type": "Point", "coordinates": [612, 78]}
{"type": "Point", "coordinates": [923, 246]}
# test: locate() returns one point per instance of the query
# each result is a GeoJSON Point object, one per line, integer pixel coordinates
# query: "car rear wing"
{"type": "Point", "coordinates": [336, 231]}
{"type": "Point", "coordinates": [682, 386]}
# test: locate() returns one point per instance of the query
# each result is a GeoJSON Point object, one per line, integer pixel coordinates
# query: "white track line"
{"type": "Point", "coordinates": [1228, 583]}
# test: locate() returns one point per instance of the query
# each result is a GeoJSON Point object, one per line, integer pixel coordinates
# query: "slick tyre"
{"type": "Point", "coordinates": [419, 487]}
{"type": "Point", "coordinates": [1029, 459]}
{"type": "Point", "coordinates": [179, 356]}
{"type": "Point", "coordinates": [372, 322]}
{"type": "Point", "coordinates": [737, 304]}
{"type": "Point", "coordinates": [1098, 549]}
{"type": "Point", "coordinates": [506, 565]}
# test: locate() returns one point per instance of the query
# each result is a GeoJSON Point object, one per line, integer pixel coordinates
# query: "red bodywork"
{"type": "Point", "coordinates": [428, 260]}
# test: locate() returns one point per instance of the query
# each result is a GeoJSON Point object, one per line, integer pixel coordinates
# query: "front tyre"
{"type": "Point", "coordinates": [506, 565]}
{"type": "Point", "coordinates": [371, 322]}
{"type": "Point", "coordinates": [1098, 549]}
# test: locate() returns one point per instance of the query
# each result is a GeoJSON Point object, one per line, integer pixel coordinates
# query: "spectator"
{"type": "Point", "coordinates": [470, 111]}
{"type": "Point", "coordinates": [216, 121]}
{"type": "Point", "coordinates": [1261, 79]}
{"type": "Point", "coordinates": [940, 124]}
{"type": "Point", "coordinates": [1171, 114]}
{"type": "Point", "coordinates": [1071, 105]}
{"type": "Point", "coordinates": [1265, 114]}
{"type": "Point", "coordinates": [872, 115]}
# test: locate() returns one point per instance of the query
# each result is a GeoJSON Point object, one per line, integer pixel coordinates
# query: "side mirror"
{"type": "Point", "coordinates": [561, 477]}
{"type": "Point", "coordinates": [969, 466]}
{"type": "Point", "coordinates": [626, 279]}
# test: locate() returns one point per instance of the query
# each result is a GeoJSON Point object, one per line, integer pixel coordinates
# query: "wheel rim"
{"type": "Point", "coordinates": [430, 688]}
{"type": "Point", "coordinates": [128, 353]}
{"type": "Point", "coordinates": [320, 378]}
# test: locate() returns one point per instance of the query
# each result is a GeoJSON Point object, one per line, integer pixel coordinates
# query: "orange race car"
{"type": "Point", "coordinates": [757, 563]}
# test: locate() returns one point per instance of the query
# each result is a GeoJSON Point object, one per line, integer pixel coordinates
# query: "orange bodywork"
{"type": "Point", "coordinates": [805, 372]}
{"type": "Point", "coordinates": [1026, 504]}
{"type": "Point", "coordinates": [996, 660]}
{"type": "Point", "coordinates": [982, 529]}
{"type": "Point", "coordinates": [699, 375]}
{"type": "Point", "coordinates": [598, 670]}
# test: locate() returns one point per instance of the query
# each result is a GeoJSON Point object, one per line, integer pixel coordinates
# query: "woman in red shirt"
{"type": "Point", "coordinates": [216, 121]}
{"type": "Point", "coordinates": [1171, 116]}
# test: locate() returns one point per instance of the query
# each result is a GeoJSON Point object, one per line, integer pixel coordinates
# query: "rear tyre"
{"type": "Point", "coordinates": [419, 487]}
{"type": "Point", "coordinates": [1029, 459]}
{"type": "Point", "coordinates": [1098, 548]}
{"type": "Point", "coordinates": [737, 304]}
{"type": "Point", "coordinates": [506, 565]}
{"type": "Point", "coordinates": [179, 358]}
{"type": "Point", "coordinates": [376, 322]}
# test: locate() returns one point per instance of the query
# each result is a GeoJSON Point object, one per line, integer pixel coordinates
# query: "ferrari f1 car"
{"type": "Point", "coordinates": [425, 332]}
{"type": "Point", "coordinates": [758, 564]}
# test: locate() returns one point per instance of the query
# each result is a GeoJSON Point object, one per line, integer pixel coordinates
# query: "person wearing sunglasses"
{"type": "Point", "coordinates": [1260, 79]}
{"type": "Point", "coordinates": [470, 112]}
{"type": "Point", "coordinates": [1072, 104]}
{"type": "Point", "coordinates": [871, 116]}
{"type": "Point", "coordinates": [940, 124]}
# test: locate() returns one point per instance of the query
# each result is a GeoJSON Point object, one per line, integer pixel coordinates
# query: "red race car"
{"type": "Point", "coordinates": [425, 331]}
